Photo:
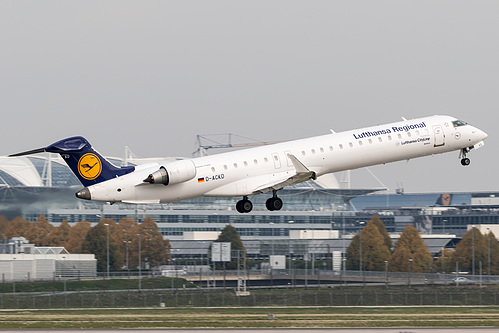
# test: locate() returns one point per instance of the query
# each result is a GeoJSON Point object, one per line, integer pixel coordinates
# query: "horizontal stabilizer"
{"type": "Point", "coordinates": [29, 152]}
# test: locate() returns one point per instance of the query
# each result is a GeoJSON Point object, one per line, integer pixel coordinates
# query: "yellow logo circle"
{"type": "Point", "coordinates": [89, 166]}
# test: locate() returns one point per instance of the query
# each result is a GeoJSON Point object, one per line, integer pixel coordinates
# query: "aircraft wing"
{"type": "Point", "coordinates": [302, 175]}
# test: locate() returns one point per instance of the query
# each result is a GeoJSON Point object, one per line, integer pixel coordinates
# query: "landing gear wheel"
{"type": "Point", "coordinates": [273, 203]}
{"type": "Point", "coordinates": [464, 160]}
{"type": "Point", "coordinates": [244, 206]}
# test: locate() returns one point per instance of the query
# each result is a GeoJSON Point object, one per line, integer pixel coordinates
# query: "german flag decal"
{"type": "Point", "coordinates": [201, 180]}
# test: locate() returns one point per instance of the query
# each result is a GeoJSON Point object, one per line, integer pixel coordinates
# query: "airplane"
{"type": "Point", "coordinates": [264, 169]}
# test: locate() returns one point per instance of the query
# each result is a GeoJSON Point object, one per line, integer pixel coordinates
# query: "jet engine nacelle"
{"type": "Point", "coordinates": [173, 173]}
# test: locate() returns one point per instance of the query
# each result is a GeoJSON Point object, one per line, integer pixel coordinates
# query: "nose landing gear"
{"type": "Point", "coordinates": [464, 160]}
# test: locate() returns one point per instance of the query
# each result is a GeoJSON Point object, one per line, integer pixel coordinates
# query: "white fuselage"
{"type": "Point", "coordinates": [251, 171]}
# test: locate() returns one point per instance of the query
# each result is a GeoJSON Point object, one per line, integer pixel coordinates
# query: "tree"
{"type": "Point", "coordinates": [353, 253]}
{"type": "Point", "coordinates": [229, 235]}
{"type": "Point", "coordinates": [153, 248]}
{"type": "Point", "coordinates": [374, 250]}
{"type": "Point", "coordinates": [3, 225]}
{"type": "Point", "coordinates": [77, 235]}
{"type": "Point", "coordinates": [39, 230]}
{"type": "Point", "coordinates": [444, 263]}
{"type": "Point", "coordinates": [127, 231]}
{"type": "Point", "coordinates": [471, 249]}
{"type": "Point", "coordinates": [382, 229]}
{"type": "Point", "coordinates": [18, 227]}
{"type": "Point", "coordinates": [96, 242]}
{"type": "Point", "coordinates": [410, 252]}
{"type": "Point", "coordinates": [59, 236]}
{"type": "Point", "coordinates": [493, 245]}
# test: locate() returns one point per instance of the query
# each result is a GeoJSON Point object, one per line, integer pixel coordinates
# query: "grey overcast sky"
{"type": "Point", "coordinates": [153, 74]}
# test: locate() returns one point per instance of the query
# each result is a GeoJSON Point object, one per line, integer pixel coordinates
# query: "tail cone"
{"type": "Point", "coordinates": [84, 194]}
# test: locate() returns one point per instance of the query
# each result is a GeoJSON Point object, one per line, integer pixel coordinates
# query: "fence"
{"type": "Point", "coordinates": [208, 298]}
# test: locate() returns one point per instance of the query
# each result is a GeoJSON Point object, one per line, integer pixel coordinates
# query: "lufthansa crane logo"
{"type": "Point", "coordinates": [446, 199]}
{"type": "Point", "coordinates": [89, 166]}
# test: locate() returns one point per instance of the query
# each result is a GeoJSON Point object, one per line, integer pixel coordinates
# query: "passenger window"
{"type": "Point", "coordinates": [255, 161]}
{"type": "Point", "coordinates": [322, 150]}
{"type": "Point", "coordinates": [390, 137]}
{"type": "Point", "coordinates": [235, 165]}
{"type": "Point", "coordinates": [409, 134]}
{"type": "Point", "coordinates": [360, 143]}
{"type": "Point", "coordinates": [303, 152]}
{"type": "Point", "coordinates": [380, 139]}
{"type": "Point", "coordinates": [225, 167]}
{"type": "Point", "coordinates": [370, 141]}
{"type": "Point", "coordinates": [399, 135]}
{"type": "Point", "coordinates": [341, 146]}
{"type": "Point", "coordinates": [212, 169]}
{"type": "Point", "coordinates": [313, 151]}
{"type": "Point", "coordinates": [245, 163]}
{"type": "Point", "coordinates": [266, 159]}
{"type": "Point", "coordinates": [331, 148]}
{"type": "Point", "coordinates": [350, 144]}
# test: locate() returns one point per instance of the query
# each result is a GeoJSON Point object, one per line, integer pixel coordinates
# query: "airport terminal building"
{"type": "Point", "coordinates": [43, 184]}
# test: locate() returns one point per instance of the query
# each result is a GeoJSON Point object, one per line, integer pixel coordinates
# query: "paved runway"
{"type": "Point", "coordinates": [270, 330]}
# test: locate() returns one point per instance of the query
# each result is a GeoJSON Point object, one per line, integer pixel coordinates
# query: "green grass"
{"type": "Point", "coordinates": [253, 317]}
{"type": "Point", "coordinates": [193, 308]}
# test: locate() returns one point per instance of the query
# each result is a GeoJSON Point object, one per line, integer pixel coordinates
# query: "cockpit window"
{"type": "Point", "coordinates": [458, 123]}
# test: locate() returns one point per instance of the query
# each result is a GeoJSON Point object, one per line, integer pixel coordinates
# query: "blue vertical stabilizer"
{"type": "Point", "coordinates": [87, 164]}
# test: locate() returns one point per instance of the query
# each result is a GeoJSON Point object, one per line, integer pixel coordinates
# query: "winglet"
{"type": "Point", "coordinates": [300, 168]}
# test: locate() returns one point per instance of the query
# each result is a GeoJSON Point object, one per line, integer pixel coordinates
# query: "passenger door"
{"type": "Point", "coordinates": [438, 135]}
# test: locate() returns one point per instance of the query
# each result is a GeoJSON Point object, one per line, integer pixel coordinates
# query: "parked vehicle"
{"type": "Point", "coordinates": [461, 280]}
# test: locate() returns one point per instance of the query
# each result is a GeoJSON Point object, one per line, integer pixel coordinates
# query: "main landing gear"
{"type": "Point", "coordinates": [274, 203]}
{"type": "Point", "coordinates": [464, 160]}
{"type": "Point", "coordinates": [245, 206]}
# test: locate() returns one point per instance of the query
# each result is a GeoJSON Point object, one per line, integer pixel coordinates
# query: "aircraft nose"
{"type": "Point", "coordinates": [481, 134]}
{"type": "Point", "coordinates": [84, 194]}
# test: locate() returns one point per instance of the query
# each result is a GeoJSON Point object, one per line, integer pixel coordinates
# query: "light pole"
{"type": "Point", "coordinates": [272, 226]}
{"type": "Point", "coordinates": [386, 273]}
{"type": "Point", "coordinates": [126, 252]}
{"type": "Point", "coordinates": [488, 254]}
{"type": "Point", "coordinates": [409, 276]}
{"type": "Point", "coordinates": [344, 262]}
{"type": "Point", "coordinates": [140, 265]}
{"type": "Point", "coordinates": [473, 250]}
{"type": "Point", "coordinates": [360, 254]}
{"type": "Point", "coordinates": [107, 250]}
{"type": "Point", "coordinates": [289, 242]}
